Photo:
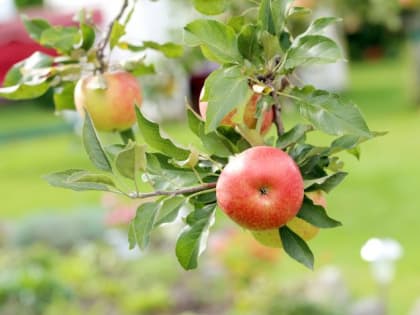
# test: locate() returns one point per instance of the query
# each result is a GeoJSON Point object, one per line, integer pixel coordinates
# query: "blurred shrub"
{"type": "Point", "coordinates": [27, 285]}
{"type": "Point", "coordinates": [62, 231]}
{"type": "Point", "coordinates": [293, 306]}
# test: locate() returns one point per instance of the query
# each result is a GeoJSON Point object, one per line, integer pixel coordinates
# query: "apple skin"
{"type": "Point", "coordinates": [111, 108]}
{"type": "Point", "coordinates": [260, 188]}
{"type": "Point", "coordinates": [305, 230]}
{"type": "Point", "coordinates": [249, 114]}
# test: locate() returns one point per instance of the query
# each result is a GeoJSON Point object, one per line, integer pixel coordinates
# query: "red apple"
{"type": "Point", "coordinates": [109, 98]}
{"type": "Point", "coordinates": [249, 114]}
{"type": "Point", "coordinates": [260, 188]}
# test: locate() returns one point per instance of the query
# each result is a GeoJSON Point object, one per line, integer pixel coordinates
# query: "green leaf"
{"type": "Point", "coordinates": [319, 25]}
{"type": "Point", "coordinates": [311, 49]}
{"type": "Point", "coordinates": [328, 183]}
{"type": "Point", "coordinates": [226, 89]}
{"type": "Point", "coordinates": [298, 12]}
{"type": "Point", "coordinates": [193, 238]}
{"type": "Point", "coordinates": [266, 17]}
{"type": "Point", "coordinates": [217, 40]}
{"type": "Point", "coordinates": [169, 210]}
{"type": "Point", "coordinates": [350, 142]}
{"type": "Point", "coordinates": [285, 40]}
{"type": "Point", "coordinates": [132, 160]}
{"type": "Point", "coordinates": [248, 43]}
{"type": "Point", "coordinates": [143, 223]}
{"type": "Point", "coordinates": [138, 67]}
{"type": "Point", "coordinates": [329, 113]}
{"type": "Point", "coordinates": [31, 70]}
{"type": "Point", "coordinates": [88, 36]}
{"type": "Point", "coordinates": [271, 45]}
{"type": "Point", "coordinates": [117, 31]}
{"type": "Point", "coordinates": [296, 247]}
{"type": "Point", "coordinates": [89, 177]}
{"type": "Point", "coordinates": [24, 91]}
{"type": "Point", "coordinates": [80, 180]}
{"type": "Point", "coordinates": [152, 136]}
{"type": "Point", "coordinates": [113, 150]}
{"type": "Point", "coordinates": [170, 50]}
{"type": "Point", "coordinates": [294, 135]}
{"type": "Point", "coordinates": [127, 135]}
{"type": "Point", "coordinates": [210, 7]}
{"type": "Point", "coordinates": [272, 15]}
{"type": "Point", "coordinates": [163, 175]}
{"type": "Point", "coordinates": [316, 215]}
{"type": "Point", "coordinates": [237, 22]}
{"type": "Point", "coordinates": [93, 146]}
{"type": "Point", "coordinates": [64, 96]}
{"type": "Point", "coordinates": [214, 143]}
{"type": "Point", "coordinates": [63, 39]}
{"type": "Point", "coordinates": [35, 27]}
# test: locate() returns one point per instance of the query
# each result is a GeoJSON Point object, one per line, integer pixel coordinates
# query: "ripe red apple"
{"type": "Point", "coordinates": [249, 114]}
{"type": "Point", "coordinates": [305, 230]}
{"type": "Point", "coordinates": [260, 188]}
{"type": "Point", "coordinates": [110, 106]}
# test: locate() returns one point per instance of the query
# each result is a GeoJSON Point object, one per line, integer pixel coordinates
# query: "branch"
{"type": "Point", "coordinates": [176, 192]}
{"type": "Point", "coordinates": [277, 117]}
{"type": "Point", "coordinates": [100, 53]}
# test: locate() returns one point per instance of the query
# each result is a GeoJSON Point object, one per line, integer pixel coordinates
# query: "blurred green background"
{"type": "Point", "coordinates": [58, 255]}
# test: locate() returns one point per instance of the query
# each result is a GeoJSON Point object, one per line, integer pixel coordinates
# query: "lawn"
{"type": "Point", "coordinates": [378, 199]}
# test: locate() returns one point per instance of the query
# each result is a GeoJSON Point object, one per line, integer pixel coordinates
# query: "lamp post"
{"type": "Point", "coordinates": [382, 255]}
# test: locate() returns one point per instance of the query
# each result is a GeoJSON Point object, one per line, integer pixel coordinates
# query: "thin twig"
{"type": "Point", "coordinates": [100, 53]}
{"type": "Point", "coordinates": [278, 122]}
{"type": "Point", "coordinates": [176, 192]}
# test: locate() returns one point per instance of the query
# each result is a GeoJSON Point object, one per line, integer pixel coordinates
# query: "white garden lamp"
{"type": "Point", "coordinates": [382, 254]}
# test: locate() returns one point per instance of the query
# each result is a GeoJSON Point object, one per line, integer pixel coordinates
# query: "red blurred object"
{"type": "Point", "coordinates": [15, 43]}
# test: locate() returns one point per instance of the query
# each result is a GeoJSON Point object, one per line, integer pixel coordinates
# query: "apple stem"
{"type": "Point", "coordinates": [183, 191]}
{"type": "Point", "coordinates": [100, 53]}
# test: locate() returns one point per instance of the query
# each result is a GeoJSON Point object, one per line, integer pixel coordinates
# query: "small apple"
{"type": "Point", "coordinates": [304, 3]}
{"type": "Point", "coordinates": [249, 114]}
{"type": "Point", "coordinates": [305, 230]}
{"type": "Point", "coordinates": [109, 98]}
{"type": "Point", "coordinates": [260, 188]}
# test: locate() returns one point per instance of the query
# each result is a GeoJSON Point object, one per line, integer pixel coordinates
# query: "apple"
{"type": "Point", "coordinates": [305, 230]}
{"type": "Point", "coordinates": [260, 188]}
{"type": "Point", "coordinates": [304, 3]}
{"type": "Point", "coordinates": [109, 98]}
{"type": "Point", "coordinates": [249, 118]}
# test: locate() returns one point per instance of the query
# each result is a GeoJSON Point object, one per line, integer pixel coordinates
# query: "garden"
{"type": "Point", "coordinates": [65, 251]}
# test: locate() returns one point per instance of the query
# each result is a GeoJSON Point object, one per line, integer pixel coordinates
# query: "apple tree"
{"type": "Point", "coordinates": [258, 55]}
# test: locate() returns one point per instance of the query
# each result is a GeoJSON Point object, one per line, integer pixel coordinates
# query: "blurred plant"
{"type": "Point", "coordinates": [27, 285]}
{"type": "Point", "coordinates": [60, 231]}
{"type": "Point", "coordinates": [271, 298]}
{"type": "Point", "coordinates": [241, 256]}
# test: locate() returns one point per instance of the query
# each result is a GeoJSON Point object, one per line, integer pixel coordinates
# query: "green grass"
{"type": "Point", "coordinates": [378, 199]}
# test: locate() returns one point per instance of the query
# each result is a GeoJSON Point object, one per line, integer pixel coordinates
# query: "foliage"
{"type": "Point", "coordinates": [258, 55]}
{"type": "Point", "coordinates": [28, 3]}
